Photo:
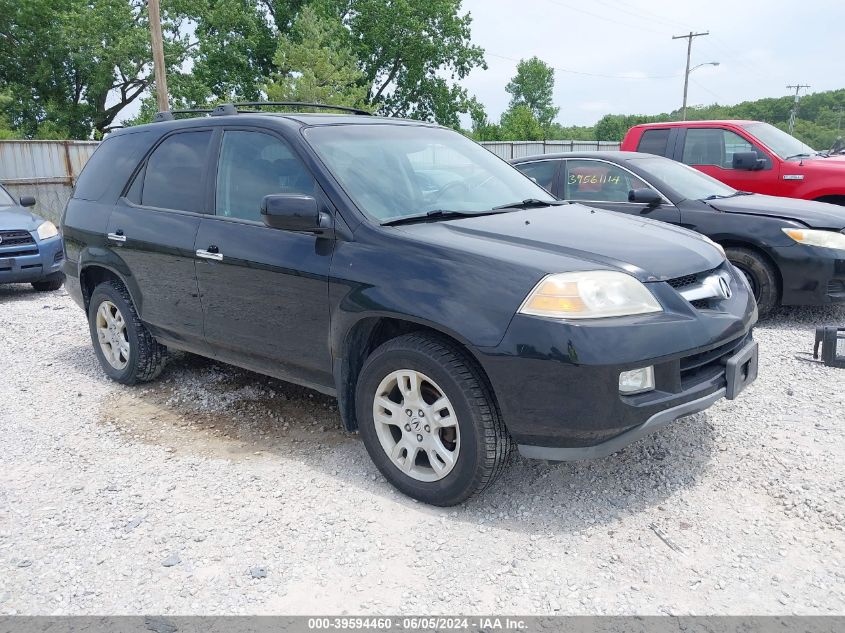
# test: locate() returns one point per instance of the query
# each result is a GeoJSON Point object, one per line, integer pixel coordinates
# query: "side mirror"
{"type": "Point", "coordinates": [295, 212]}
{"type": "Point", "coordinates": [27, 201]}
{"type": "Point", "coordinates": [645, 196]}
{"type": "Point", "coordinates": [748, 161]}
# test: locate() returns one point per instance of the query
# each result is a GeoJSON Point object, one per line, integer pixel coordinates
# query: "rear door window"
{"type": "Point", "coordinates": [111, 165]}
{"type": "Point", "coordinates": [654, 141]}
{"type": "Point", "coordinates": [715, 146]}
{"type": "Point", "coordinates": [542, 172]}
{"type": "Point", "coordinates": [253, 165]}
{"type": "Point", "coordinates": [599, 181]}
{"type": "Point", "coordinates": [175, 174]}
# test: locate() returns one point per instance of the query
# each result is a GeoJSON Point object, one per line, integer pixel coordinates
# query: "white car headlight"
{"type": "Point", "coordinates": [47, 230]}
{"type": "Point", "coordinates": [589, 295]}
{"type": "Point", "coordinates": [823, 239]}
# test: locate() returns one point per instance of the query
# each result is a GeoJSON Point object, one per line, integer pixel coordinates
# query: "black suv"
{"type": "Point", "coordinates": [451, 305]}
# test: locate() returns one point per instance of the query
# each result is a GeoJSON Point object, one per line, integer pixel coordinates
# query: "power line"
{"type": "Point", "coordinates": [638, 14]}
{"type": "Point", "coordinates": [689, 38]}
{"type": "Point", "coordinates": [793, 114]}
{"type": "Point", "coordinates": [705, 88]}
{"type": "Point", "coordinates": [601, 17]}
{"type": "Point", "coordinates": [587, 74]}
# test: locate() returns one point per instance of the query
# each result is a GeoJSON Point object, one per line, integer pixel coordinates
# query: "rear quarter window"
{"type": "Point", "coordinates": [107, 171]}
{"type": "Point", "coordinates": [654, 141]}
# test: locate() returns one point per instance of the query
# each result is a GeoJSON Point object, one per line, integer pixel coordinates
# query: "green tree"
{"type": "Point", "coordinates": [533, 86]}
{"type": "Point", "coordinates": [520, 124]}
{"type": "Point", "coordinates": [315, 65]}
{"type": "Point", "coordinates": [6, 131]}
{"type": "Point", "coordinates": [412, 55]}
{"type": "Point", "coordinates": [482, 128]}
{"type": "Point", "coordinates": [230, 50]}
{"type": "Point", "coordinates": [71, 66]}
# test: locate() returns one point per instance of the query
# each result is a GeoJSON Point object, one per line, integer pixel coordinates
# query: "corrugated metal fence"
{"type": "Point", "coordinates": [48, 169]}
{"type": "Point", "coordinates": [518, 149]}
{"type": "Point", "coordinates": [45, 169]}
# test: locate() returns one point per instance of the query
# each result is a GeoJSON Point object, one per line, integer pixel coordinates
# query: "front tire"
{"type": "Point", "coordinates": [761, 276]}
{"type": "Point", "coordinates": [127, 351]}
{"type": "Point", "coordinates": [49, 283]}
{"type": "Point", "coordinates": [429, 421]}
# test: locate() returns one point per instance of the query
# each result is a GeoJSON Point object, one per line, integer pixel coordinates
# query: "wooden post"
{"type": "Point", "coordinates": [158, 55]}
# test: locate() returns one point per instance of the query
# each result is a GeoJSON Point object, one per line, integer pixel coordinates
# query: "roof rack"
{"type": "Point", "coordinates": [225, 109]}
{"type": "Point", "coordinates": [289, 104]}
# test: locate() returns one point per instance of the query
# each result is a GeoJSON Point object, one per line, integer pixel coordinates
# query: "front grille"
{"type": "Point", "coordinates": [17, 253]}
{"type": "Point", "coordinates": [836, 288]}
{"type": "Point", "coordinates": [688, 280]}
{"type": "Point", "coordinates": [696, 362]}
{"type": "Point", "coordinates": [15, 238]}
{"type": "Point", "coordinates": [681, 282]}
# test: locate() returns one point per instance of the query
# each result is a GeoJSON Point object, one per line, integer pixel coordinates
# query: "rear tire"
{"type": "Point", "coordinates": [761, 276]}
{"type": "Point", "coordinates": [466, 420]}
{"type": "Point", "coordinates": [49, 283]}
{"type": "Point", "coordinates": [127, 352]}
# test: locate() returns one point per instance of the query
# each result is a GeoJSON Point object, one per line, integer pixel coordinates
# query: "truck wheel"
{"type": "Point", "coordinates": [429, 420]}
{"type": "Point", "coordinates": [49, 283]}
{"type": "Point", "coordinates": [125, 348]}
{"type": "Point", "coordinates": [761, 276]}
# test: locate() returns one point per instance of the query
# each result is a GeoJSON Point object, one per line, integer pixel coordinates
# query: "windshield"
{"type": "Point", "coordinates": [781, 143]}
{"type": "Point", "coordinates": [688, 182]}
{"type": "Point", "coordinates": [393, 171]}
{"type": "Point", "coordinates": [5, 199]}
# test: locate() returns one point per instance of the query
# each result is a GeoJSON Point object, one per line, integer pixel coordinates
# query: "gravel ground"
{"type": "Point", "coordinates": [214, 490]}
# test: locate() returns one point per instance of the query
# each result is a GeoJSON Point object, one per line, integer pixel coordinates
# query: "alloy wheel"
{"type": "Point", "coordinates": [416, 425]}
{"type": "Point", "coordinates": [112, 335]}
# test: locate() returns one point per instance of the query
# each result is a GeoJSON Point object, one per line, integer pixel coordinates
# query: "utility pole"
{"type": "Point", "coordinates": [839, 110]}
{"type": "Point", "coordinates": [794, 112]}
{"type": "Point", "coordinates": [158, 55]}
{"type": "Point", "coordinates": [686, 74]}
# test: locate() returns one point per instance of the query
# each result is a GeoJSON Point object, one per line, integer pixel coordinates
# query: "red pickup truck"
{"type": "Point", "coordinates": [747, 155]}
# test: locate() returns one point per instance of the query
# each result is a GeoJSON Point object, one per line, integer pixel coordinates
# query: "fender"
{"type": "Point", "coordinates": [106, 258]}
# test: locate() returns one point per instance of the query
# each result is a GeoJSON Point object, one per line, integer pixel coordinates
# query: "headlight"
{"type": "Point", "coordinates": [47, 230]}
{"type": "Point", "coordinates": [823, 239]}
{"type": "Point", "coordinates": [589, 295]}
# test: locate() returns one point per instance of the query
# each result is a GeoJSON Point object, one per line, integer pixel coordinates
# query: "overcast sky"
{"type": "Point", "coordinates": [761, 46]}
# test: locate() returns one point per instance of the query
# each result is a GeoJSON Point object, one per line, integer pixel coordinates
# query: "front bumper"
{"type": "Point", "coordinates": [811, 275]}
{"type": "Point", "coordinates": [33, 261]}
{"type": "Point", "coordinates": [741, 372]}
{"type": "Point", "coordinates": [557, 383]}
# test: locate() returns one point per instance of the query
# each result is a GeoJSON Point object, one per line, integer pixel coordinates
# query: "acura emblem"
{"type": "Point", "coordinates": [725, 288]}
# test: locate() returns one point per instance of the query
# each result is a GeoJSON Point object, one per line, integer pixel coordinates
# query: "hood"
{"type": "Point", "coordinates": [18, 218]}
{"type": "Point", "coordinates": [576, 237]}
{"type": "Point", "coordinates": [834, 161]}
{"type": "Point", "coordinates": [818, 215]}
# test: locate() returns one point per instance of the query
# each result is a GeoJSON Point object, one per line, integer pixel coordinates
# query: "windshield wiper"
{"type": "Point", "coordinates": [529, 203]}
{"type": "Point", "coordinates": [437, 214]}
{"type": "Point", "coordinates": [717, 196]}
{"type": "Point", "coordinates": [804, 155]}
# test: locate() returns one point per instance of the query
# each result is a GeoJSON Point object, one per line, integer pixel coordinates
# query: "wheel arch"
{"type": "Point", "coordinates": [92, 274]}
{"type": "Point", "coordinates": [835, 198]}
{"type": "Point", "coordinates": [368, 333]}
{"type": "Point", "coordinates": [734, 243]}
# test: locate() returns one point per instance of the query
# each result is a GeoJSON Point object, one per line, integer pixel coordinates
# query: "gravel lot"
{"type": "Point", "coordinates": [215, 491]}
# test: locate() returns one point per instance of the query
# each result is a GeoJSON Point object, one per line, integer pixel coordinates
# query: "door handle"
{"type": "Point", "coordinates": [209, 254]}
{"type": "Point", "coordinates": [117, 236]}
